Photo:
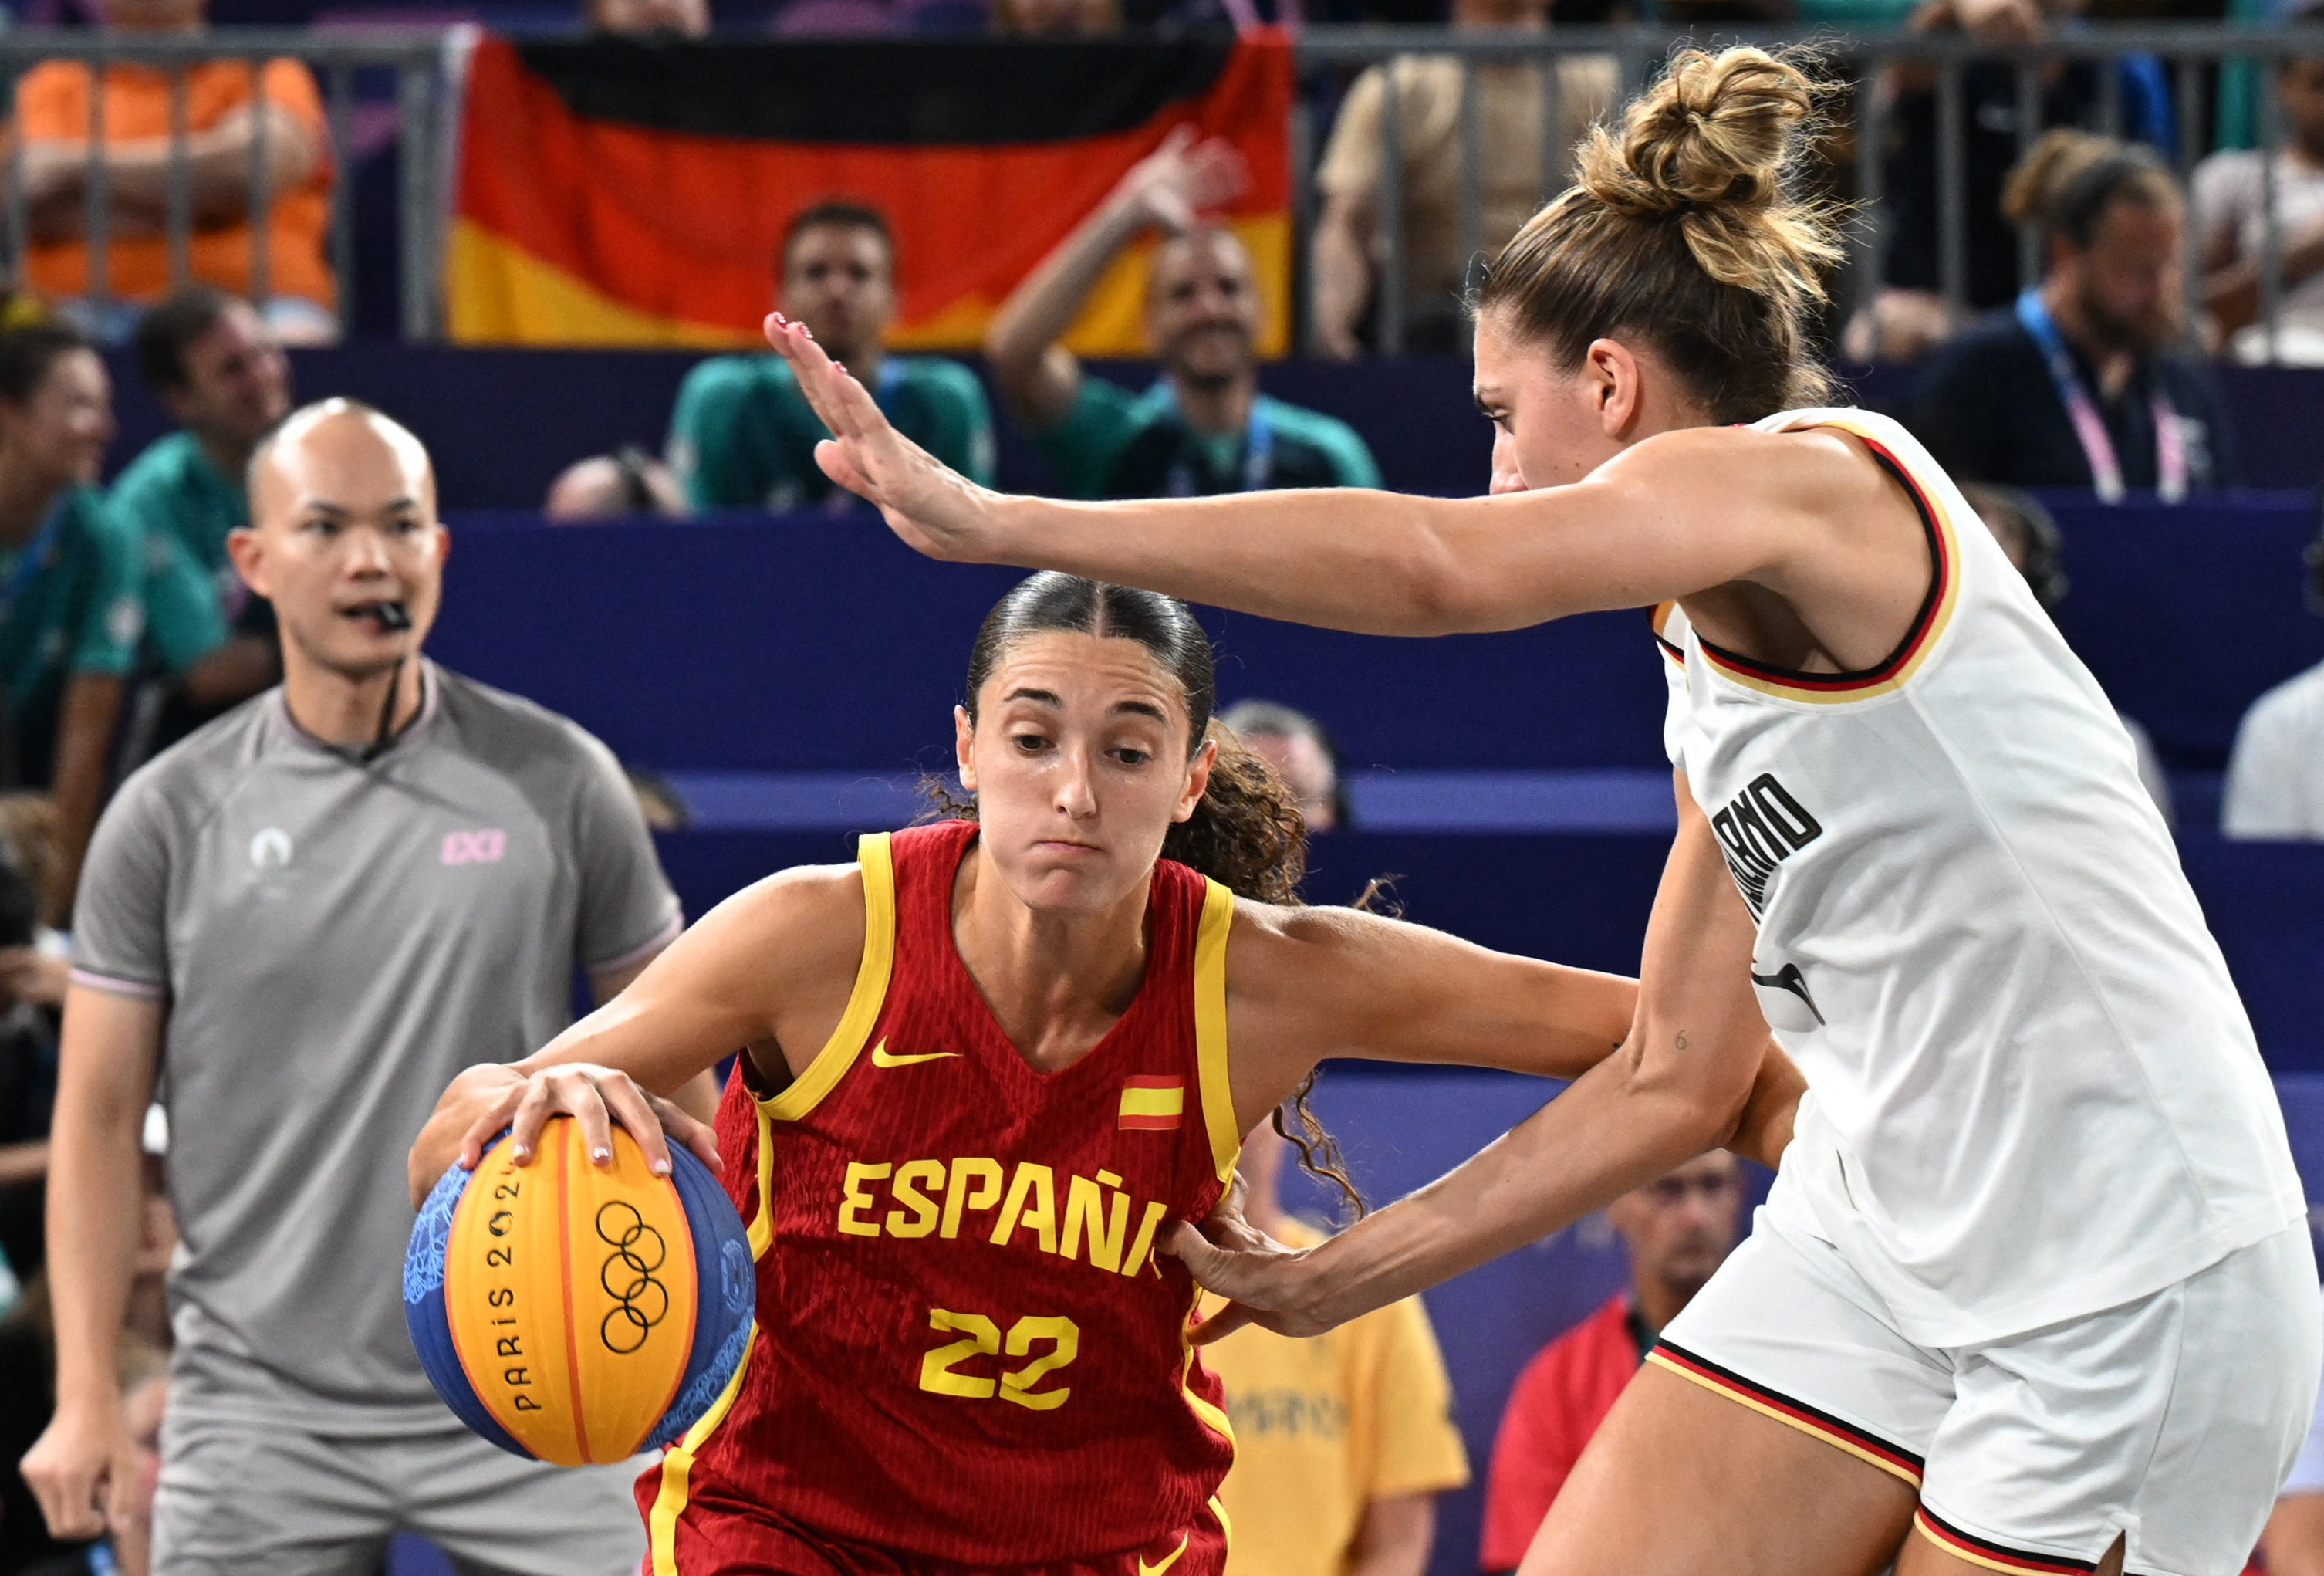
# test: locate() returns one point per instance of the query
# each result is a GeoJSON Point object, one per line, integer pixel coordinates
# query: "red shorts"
{"type": "Point", "coordinates": [718, 1540]}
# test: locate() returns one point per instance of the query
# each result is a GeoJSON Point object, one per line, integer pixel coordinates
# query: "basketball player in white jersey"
{"type": "Point", "coordinates": [2034, 1291]}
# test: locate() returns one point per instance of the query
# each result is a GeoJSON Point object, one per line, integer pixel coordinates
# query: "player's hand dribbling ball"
{"type": "Point", "coordinates": [574, 1312]}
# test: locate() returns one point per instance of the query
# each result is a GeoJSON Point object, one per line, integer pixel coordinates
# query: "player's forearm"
{"type": "Point", "coordinates": [92, 704]}
{"type": "Point", "coordinates": [1620, 1127]}
{"type": "Point", "coordinates": [1341, 557]}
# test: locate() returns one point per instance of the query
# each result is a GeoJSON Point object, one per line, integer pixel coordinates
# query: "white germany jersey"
{"type": "Point", "coordinates": [2035, 1091]}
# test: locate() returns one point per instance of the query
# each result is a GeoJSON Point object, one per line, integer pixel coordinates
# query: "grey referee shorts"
{"type": "Point", "coordinates": [244, 1498]}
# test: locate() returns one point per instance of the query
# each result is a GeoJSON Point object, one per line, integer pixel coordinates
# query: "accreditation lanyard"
{"type": "Point", "coordinates": [33, 557]}
{"type": "Point", "coordinates": [2098, 445]}
{"type": "Point", "coordinates": [1258, 445]}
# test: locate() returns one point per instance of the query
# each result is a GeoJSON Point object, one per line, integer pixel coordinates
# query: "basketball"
{"type": "Point", "coordinates": [578, 1314]}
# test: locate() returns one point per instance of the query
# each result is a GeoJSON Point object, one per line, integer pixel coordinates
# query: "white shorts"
{"type": "Point", "coordinates": [2308, 1471]}
{"type": "Point", "coordinates": [2170, 1420]}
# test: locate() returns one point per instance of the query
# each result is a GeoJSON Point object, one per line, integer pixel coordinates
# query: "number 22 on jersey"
{"type": "Point", "coordinates": [981, 1337]}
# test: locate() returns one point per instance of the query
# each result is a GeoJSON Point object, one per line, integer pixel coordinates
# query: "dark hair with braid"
{"type": "Point", "coordinates": [1246, 832]}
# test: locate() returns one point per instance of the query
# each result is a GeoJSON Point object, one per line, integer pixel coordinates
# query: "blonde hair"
{"type": "Point", "coordinates": [1685, 231]}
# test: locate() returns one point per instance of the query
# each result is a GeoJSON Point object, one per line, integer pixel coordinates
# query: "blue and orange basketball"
{"type": "Point", "coordinates": [573, 1313]}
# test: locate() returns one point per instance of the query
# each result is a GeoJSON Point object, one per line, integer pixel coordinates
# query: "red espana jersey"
{"type": "Point", "coordinates": [967, 1350]}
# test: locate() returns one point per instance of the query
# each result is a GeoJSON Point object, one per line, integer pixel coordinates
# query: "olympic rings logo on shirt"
{"type": "Point", "coordinates": [640, 1301]}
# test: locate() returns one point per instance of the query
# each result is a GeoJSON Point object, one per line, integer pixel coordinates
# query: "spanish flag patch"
{"type": "Point", "coordinates": [1153, 1105]}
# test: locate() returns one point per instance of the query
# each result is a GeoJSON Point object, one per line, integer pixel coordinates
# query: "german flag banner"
{"type": "Point", "coordinates": [614, 192]}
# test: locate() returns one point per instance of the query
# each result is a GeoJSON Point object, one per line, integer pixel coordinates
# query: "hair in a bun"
{"type": "Point", "coordinates": [1683, 231]}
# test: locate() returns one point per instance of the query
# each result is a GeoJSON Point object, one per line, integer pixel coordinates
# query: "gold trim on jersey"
{"type": "Point", "coordinates": [677, 1465]}
{"type": "Point", "coordinates": [846, 1042]}
{"type": "Point", "coordinates": [1929, 621]}
{"type": "Point", "coordinates": [1210, 1416]}
{"type": "Point", "coordinates": [1211, 1028]}
{"type": "Point", "coordinates": [762, 1224]}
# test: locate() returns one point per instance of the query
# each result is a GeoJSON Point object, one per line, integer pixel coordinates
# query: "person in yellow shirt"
{"type": "Point", "coordinates": [224, 106]}
{"type": "Point", "coordinates": [1343, 1439]}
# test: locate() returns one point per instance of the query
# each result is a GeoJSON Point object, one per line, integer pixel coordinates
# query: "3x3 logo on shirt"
{"type": "Point", "coordinates": [475, 848]}
{"type": "Point", "coordinates": [272, 848]}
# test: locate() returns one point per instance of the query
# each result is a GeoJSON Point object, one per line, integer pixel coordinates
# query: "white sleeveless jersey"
{"type": "Point", "coordinates": [2035, 1091]}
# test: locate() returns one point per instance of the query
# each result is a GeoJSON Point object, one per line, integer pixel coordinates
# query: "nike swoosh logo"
{"type": "Point", "coordinates": [1146, 1570]}
{"type": "Point", "coordinates": [881, 1058]}
{"type": "Point", "coordinates": [1787, 977]}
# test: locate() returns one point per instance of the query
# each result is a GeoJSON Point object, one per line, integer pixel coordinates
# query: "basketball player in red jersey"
{"type": "Point", "coordinates": [988, 1064]}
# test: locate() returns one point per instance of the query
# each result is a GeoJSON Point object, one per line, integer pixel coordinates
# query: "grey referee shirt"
{"type": "Point", "coordinates": [334, 939]}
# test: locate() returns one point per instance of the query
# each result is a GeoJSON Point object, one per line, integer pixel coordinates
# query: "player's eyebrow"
{"type": "Point", "coordinates": [1143, 708]}
{"type": "Point", "coordinates": [1038, 697]}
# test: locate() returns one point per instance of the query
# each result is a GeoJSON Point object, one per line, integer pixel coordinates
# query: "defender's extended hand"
{"type": "Point", "coordinates": [932, 508]}
{"type": "Point", "coordinates": [1263, 1281]}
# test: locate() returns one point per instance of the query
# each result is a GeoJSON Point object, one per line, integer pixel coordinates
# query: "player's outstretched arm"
{"type": "Point", "coordinates": [767, 972]}
{"type": "Point", "coordinates": [1674, 515]}
{"type": "Point", "coordinates": [1307, 985]}
{"type": "Point", "coordinates": [1681, 1082]}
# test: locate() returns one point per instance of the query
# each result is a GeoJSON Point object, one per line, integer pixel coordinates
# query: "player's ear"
{"type": "Point", "coordinates": [1198, 779]}
{"type": "Point", "coordinates": [963, 746]}
{"type": "Point", "coordinates": [1613, 374]}
{"type": "Point", "coordinates": [242, 547]}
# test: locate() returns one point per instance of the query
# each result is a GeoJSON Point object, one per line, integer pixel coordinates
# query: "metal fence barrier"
{"type": "Point", "coordinates": [425, 64]}
{"type": "Point", "coordinates": [1859, 66]}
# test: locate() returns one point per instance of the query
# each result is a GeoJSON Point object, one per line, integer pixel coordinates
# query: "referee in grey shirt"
{"type": "Point", "coordinates": [314, 913]}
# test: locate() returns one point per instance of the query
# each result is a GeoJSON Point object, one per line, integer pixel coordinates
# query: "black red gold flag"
{"type": "Point", "coordinates": [616, 192]}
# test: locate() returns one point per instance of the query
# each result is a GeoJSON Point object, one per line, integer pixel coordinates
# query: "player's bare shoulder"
{"type": "Point", "coordinates": [1279, 956]}
{"type": "Point", "coordinates": [794, 929]}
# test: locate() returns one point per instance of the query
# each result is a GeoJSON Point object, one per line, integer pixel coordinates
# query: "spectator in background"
{"type": "Point", "coordinates": [68, 572]}
{"type": "Point", "coordinates": [648, 18]}
{"type": "Point", "coordinates": [2275, 774]}
{"type": "Point", "coordinates": [611, 486]}
{"type": "Point", "coordinates": [1203, 427]}
{"type": "Point", "coordinates": [1343, 1441]}
{"type": "Point", "coordinates": [2081, 385]}
{"type": "Point", "coordinates": [1301, 751]}
{"type": "Point", "coordinates": [32, 975]}
{"type": "Point", "coordinates": [742, 436]}
{"type": "Point", "coordinates": [2230, 225]}
{"type": "Point", "coordinates": [1679, 1230]}
{"type": "Point", "coordinates": [1907, 318]}
{"type": "Point", "coordinates": [223, 115]}
{"type": "Point", "coordinates": [2036, 548]}
{"type": "Point", "coordinates": [1349, 248]}
{"type": "Point", "coordinates": [215, 367]}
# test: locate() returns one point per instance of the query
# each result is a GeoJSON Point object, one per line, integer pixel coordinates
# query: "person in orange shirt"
{"type": "Point", "coordinates": [294, 288]}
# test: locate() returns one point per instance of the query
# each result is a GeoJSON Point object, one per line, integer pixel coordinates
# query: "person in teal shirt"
{"type": "Point", "coordinates": [70, 612]}
{"type": "Point", "coordinates": [743, 437]}
{"type": "Point", "coordinates": [1203, 427]}
{"type": "Point", "coordinates": [215, 367]}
